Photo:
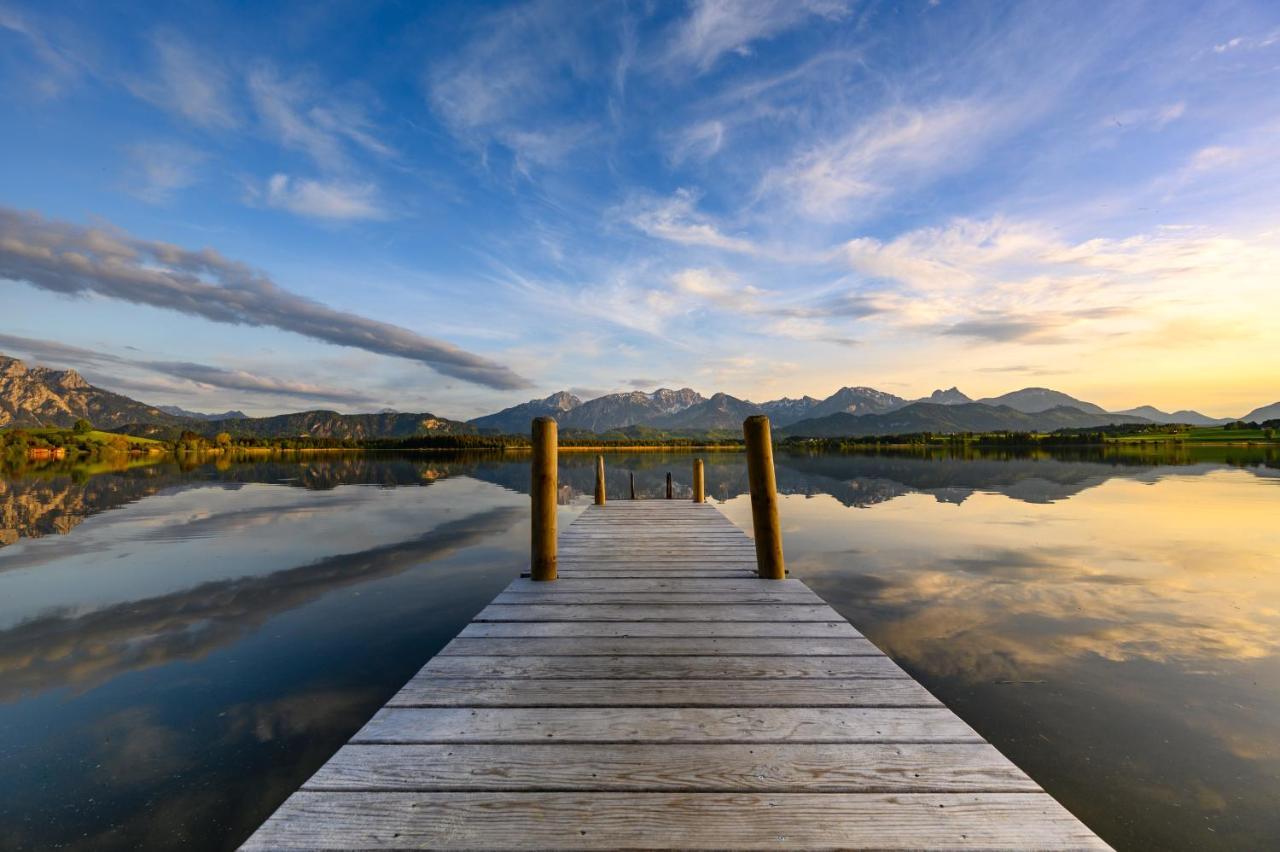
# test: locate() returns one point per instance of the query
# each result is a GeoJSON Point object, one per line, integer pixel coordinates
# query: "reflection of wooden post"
{"type": "Point", "coordinates": [699, 487]}
{"type": "Point", "coordinates": [633, 485]}
{"type": "Point", "coordinates": [670, 493]}
{"type": "Point", "coordinates": [599, 480]}
{"type": "Point", "coordinates": [764, 498]}
{"type": "Point", "coordinates": [543, 491]}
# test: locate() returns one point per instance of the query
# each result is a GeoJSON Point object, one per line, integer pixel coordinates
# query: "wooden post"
{"type": "Point", "coordinates": [542, 562]}
{"type": "Point", "coordinates": [699, 486]}
{"type": "Point", "coordinates": [764, 498]}
{"type": "Point", "coordinates": [633, 485]}
{"type": "Point", "coordinates": [670, 493]}
{"type": "Point", "coordinates": [600, 480]}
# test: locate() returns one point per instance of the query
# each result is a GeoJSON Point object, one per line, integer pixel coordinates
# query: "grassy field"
{"type": "Point", "coordinates": [54, 435]}
{"type": "Point", "coordinates": [1206, 435]}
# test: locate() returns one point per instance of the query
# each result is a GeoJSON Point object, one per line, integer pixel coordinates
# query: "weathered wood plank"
{"type": "Point", "coordinates": [427, 690]}
{"type": "Point", "coordinates": [641, 573]}
{"type": "Point", "coordinates": [664, 725]}
{"type": "Point", "coordinates": [523, 586]}
{"type": "Point", "coordinates": [658, 612]}
{"type": "Point", "coordinates": [647, 767]}
{"type": "Point", "coordinates": [616, 629]}
{"type": "Point", "coordinates": [652, 561]}
{"type": "Point", "coordinates": [671, 585]}
{"type": "Point", "coordinates": [712, 667]}
{"type": "Point", "coordinates": [711, 596]}
{"type": "Point", "coordinates": [599, 820]}
{"type": "Point", "coordinates": [657, 646]}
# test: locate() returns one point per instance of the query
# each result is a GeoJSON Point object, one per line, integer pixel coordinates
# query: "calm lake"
{"type": "Point", "coordinates": [182, 646]}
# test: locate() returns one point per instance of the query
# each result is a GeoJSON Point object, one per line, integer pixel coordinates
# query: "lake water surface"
{"type": "Point", "coordinates": [182, 646]}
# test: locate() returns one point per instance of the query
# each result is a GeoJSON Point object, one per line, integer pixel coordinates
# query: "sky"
{"type": "Point", "coordinates": [456, 207]}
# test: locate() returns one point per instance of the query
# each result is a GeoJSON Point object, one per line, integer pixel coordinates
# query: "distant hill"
{"type": "Point", "coordinates": [331, 424]}
{"type": "Point", "coordinates": [943, 419]}
{"type": "Point", "coordinates": [516, 419]}
{"type": "Point", "coordinates": [1266, 412]}
{"type": "Point", "coordinates": [197, 415]}
{"type": "Point", "coordinates": [1033, 400]}
{"type": "Point", "coordinates": [38, 396]}
{"type": "Point", "coordinates": [1191, 418]}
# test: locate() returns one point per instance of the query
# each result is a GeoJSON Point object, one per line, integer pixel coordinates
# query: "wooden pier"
{"type": "Point", "coordinates": [661, 695]}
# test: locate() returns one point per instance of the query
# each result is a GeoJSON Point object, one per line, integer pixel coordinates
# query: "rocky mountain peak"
{"type": "Point", "coordinates": [562, 401]}
{"type": "Point", "coordinates": [11, 366]}
{"type": "Point", "coordinates": [70, 380]}
{"type": "Point", "coordinates": [950, 396]}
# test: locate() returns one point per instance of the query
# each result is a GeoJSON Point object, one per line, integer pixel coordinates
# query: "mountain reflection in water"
{"type": "Point", "coordinates": [181, 646]}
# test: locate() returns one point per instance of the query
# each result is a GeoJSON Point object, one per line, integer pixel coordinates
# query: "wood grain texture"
{"type": "Point", "coordinates": [658, 612]}
{"type": "Point", "coordinates": [665, 725]}
{"type": "Point", "coordinates": [657, 585]}
{"type": "Point", "coordinates": [711, 596]}
{"type": "Point", "coordinates": [618, 629]}
{"type": "Point", "coordinates": [432, 691]}
{"type": "Point", "coordinates": [659, 667]}
{"type": "Point", "coordinates": [604, 820]}
{"type": "Point", "coordinates": [632, 646]}
{"type": "Point", "coordinates": [787, 767]}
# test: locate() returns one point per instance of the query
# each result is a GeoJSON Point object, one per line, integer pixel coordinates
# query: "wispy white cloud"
{"type": "Point", "coordinates": [1248, 42]}
{"type": "Point", "coordinates": [295, 113]}
{"type": "Point", "coordinates": [896, 149]}
{"type": "Point", "coordinates": [676, 219]}
{"type": "Point", "coordinates": [1148, 118]}
{"type": "Point", "coordinates": [714, 28]}
{"type": "Point", "coordinates": [324, 199]}
{"type": "Point", "coordinates": [158, 170]}
{"type": "Point", "coordinates": [699, 141]}
{"type": "Point", "coordinates": [55, 69]}
{"type": "Point", "coordinates": [497, 87]}
{"type": "Point", "coordinates": [188, 81]}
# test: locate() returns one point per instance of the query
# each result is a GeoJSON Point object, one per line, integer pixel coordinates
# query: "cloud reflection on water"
{"type": "Point", "coordinates": [81, 650]}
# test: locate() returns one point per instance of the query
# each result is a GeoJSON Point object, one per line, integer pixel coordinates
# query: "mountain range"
{"type": "Point", "coordinates": [200, 415]}
{"type": "Point", "coordinates": [38, 396]}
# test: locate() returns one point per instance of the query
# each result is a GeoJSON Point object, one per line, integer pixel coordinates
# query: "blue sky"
{"type": "Point", "coordinates": [457, 206]}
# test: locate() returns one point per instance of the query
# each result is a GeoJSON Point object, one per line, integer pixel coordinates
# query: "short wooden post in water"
{"type": "Point", "coordinates": [764, 498]}
{"type": "Point", "coordinates": [670, 493]}
{"type": "Point", "coordinates": [599, 480]}
{"type": "Point", "coordinates": [542, 562]}
{"type": "Point", "coordinates": [633, 485]}
{"type": "Point", "coordinates": [699, 487]}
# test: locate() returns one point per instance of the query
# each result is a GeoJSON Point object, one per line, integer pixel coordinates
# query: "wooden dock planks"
{"type": "Point", "coordinates": [659, 696]}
